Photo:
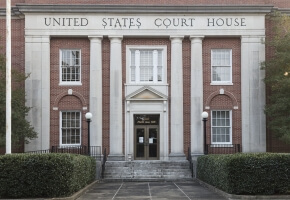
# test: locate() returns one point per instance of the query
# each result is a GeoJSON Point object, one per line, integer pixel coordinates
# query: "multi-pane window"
{"type": "Point", "coordinates": [70, 127]}
{"type": "Point", "coordinates": [70, 66]}
{"type": "Point", "coordinates": [221, 66]}
{"type": "Point", "coordinates": [221, 126]}
{"type": "Point", "coordinates": [146, 65]}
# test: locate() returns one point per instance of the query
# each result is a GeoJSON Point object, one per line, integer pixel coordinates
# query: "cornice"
{"type": "Point", "coordinates": [14, 12]}
{"type": "Point", "coordinates": [284, 11]}
{"type": "Point", "coordinates": [144, 9]}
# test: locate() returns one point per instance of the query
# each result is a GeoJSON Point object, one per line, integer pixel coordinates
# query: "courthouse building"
{"type": "Point", "coordinates": [146, 70]}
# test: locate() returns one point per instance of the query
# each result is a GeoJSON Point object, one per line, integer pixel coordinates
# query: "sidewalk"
{"type": "Point", "coordinates": [149, 190]}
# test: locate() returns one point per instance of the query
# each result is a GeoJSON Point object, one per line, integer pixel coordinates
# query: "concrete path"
{"type": "Point", "coordinates": [149, 190]}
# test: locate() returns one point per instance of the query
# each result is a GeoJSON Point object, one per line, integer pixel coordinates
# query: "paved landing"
{"type": "Point", "coordinates": [149, 190]}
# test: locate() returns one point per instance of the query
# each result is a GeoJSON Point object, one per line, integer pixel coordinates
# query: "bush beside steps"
{"type": "Point", "coordinates": [44, 175]}
{"type": "Point", "coordinates": [246, 174]}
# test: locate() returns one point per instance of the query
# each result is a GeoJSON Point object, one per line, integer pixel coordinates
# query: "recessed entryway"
{"type": "Point", "coordinates": [146, 137]}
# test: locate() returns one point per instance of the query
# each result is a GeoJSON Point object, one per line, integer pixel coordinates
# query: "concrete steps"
{"type": "Point", "coordinates": [147, 171]}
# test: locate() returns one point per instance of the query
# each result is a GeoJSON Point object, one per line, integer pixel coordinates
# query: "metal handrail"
{"type": "Point", "coordinates": [104, 163]}
{"type": "Point", "coordinates": [189, 158]}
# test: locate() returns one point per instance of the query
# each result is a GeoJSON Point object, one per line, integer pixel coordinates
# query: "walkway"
{"type": "Point", "coordinates": [149, 190]}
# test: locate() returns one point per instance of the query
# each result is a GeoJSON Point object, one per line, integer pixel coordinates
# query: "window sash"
{"type": "Point", "coordinates": [221, 127]}
{"type": "Point", "coordinates": [70, 127]}
{"type": "Point", "coordinates": [70, 65]}
{"type": "Point", "coordinates": [146, 65]}
{"type": "Point", "coordinates": [221, 65]}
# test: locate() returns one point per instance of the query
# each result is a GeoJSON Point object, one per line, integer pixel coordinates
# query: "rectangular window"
{"type": "Point", "coordinates": [70, 127]}
{"type": "Point", "coordinates": [221, 66]}
{"type": "Point", "coordinates": [146, 65]}
{"type": "Point", "coordinates": [221, 127]}
{"type": "Point", "coordinates": [70, 66]}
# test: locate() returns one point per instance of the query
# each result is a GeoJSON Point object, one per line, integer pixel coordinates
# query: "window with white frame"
{"type": "Point", "coordinates": [70, 66]}
{"type": "Point", "coordinates": [146, 66]}
{"type": "Point", "coordinates": [221, 127]}
{"type": "Point", "coordinates": [221, 66]}
{"type": "Point", "coordinates": [70, 128]}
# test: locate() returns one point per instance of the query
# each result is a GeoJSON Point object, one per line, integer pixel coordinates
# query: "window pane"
{"type": "Point", "coordinates": [133, 73]}
{"type": "Point", "coordinates": [70, 127]}
{"type": "Point", "coordinates": [146, 58]}
{"type": "Point", "coordinates": [146, 73]}
{"type": "Point", "coordinates": [159, 74]}
{"type": "Point", "coordinates": [70, 65]}
{"type": "Point", "coordinates": [221, 130]}
{"type": "Point", "coordinates": [146, 65]}
{"type": "Point", "coordinates": [221, 65]}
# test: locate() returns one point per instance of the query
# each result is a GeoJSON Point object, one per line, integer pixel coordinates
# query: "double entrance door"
{"type": "Point", "coordinates": [146, 140]}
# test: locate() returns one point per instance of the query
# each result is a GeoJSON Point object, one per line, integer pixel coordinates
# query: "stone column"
{"type": "Point", "coordinates": [253, 94]}
{"type": "Point", "coordinates": [116, 138]}
{"type": "Point", "coordinates": [177, 149]}
{"type": "Point", "coordinates": [196, 96]}
{"type": "Point", "coordinates": [96, 90]}
{"type": "Point", "coordinates": [37, 87]}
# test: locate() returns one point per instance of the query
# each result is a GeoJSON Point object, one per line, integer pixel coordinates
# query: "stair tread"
{"type": "Point", "coordinates": [147, 170]}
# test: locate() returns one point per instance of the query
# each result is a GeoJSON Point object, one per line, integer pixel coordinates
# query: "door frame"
{"type": "Point", "coordinates": [146, 143]}
{"type": "Point", "coordinates": [146, 108]}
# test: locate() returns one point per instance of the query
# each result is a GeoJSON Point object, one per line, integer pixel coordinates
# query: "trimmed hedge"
{"type": "Point", "coordinates": [44, 175]}
{"type": "Point", "coordinates": [251, 173]}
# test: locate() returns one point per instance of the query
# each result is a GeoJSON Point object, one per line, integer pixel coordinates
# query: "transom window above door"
{"type": "Point", "coordinates": [146, 65]}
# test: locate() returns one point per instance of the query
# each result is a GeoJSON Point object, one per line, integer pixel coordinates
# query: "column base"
{"type": "Point", "coordinates": [194, 162]}
{"type": "Point", "coordinates": [177, 156]}
{"type": "Point", "coordinates": [116, 157]}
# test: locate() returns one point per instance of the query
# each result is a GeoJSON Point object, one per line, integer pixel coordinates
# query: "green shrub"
{"type": "Point", "coordinates": [251, 173]}
{"type": "Point", "coordinates": [44, 175]}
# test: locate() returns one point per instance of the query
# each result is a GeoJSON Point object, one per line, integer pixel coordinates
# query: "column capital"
{"type": "Point", "coordinates": [176, 37]}
{"type": "Point", "coordinates": [196, 37]}
{"type": "Point", "coordinates": [95, 37]}
{"type": "Point", "coordinates": [37, 39]}
{"type": "Point", "coordinates": [252, 39]}
{"type": "Point", "coordinates": [115, 37]}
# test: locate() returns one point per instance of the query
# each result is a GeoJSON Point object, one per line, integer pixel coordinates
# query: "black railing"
{"type": "Point", "coordinates": [104, 163]}
{"type": "Point", "coordinates": [93, 151]}
{"type": "Point", "coordinates": [189, 158]}
{"type": "Point", "coordinates": [39, 151]}
{"type": "Point", "coordinates": [223, 148]}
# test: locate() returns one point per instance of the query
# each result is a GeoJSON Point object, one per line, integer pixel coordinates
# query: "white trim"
{"type": "Point", "coordinates": [222, 145]}
{"type": "Point", "coordinates": [60, 126]}
{"type": "Point", "coordinates": [231, 127]}
{"type": "Point", "coordinates": [137, 64]}
{"type": "Point", "coordinates": [230, 82]}
{"type": "Point", "coordinates": [221, 83]}
{"type": "Point", "coordinates": [70, 83]}
{"type": "Point", "coordinates": [60, 69]}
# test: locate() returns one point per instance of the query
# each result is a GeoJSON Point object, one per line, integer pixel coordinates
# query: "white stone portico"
{"type": "Point", "coordinates": [248, 23]}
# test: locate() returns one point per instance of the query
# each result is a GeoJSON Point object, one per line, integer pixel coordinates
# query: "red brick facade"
{"type": "Point", "coordinates": [68, 102]}
{"type": "Point", "coordinates": [211, 96]}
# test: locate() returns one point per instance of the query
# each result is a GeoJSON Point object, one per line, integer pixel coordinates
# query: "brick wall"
{"type": "Point", "coordinates": [68, 102]}
{"type": "Point", "coordinates": [223, 101]}
{"type": "Point", "coordinates": [106, 94]}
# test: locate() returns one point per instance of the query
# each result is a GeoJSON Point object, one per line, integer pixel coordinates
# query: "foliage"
{"type": "Point", "coordinates": [252, 173]}
{"type": "Point", "coordinates": [277, 80]}
{"type": "Point", "coordinates": [21, 128]}
{"type": "Point", "coordinates": [44, 175]}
